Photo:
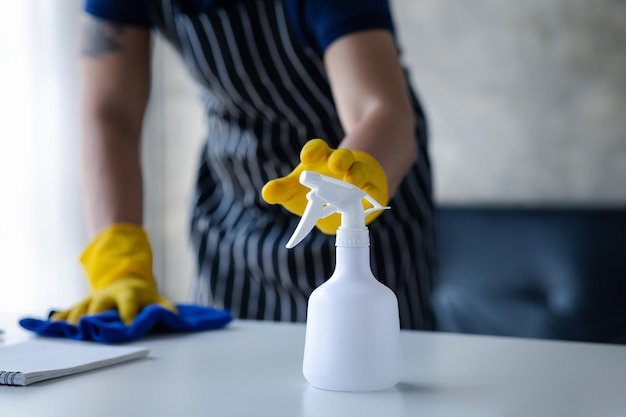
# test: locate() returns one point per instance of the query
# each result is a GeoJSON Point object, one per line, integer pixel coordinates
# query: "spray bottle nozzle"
{"type": "Point", "coordinates": [329, 195]}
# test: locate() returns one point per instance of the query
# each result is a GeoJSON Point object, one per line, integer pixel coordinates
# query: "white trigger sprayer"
{"type": "Point", "coordinates": [353, 331]}
{"type": "Point", "coordinates": [327, 196]}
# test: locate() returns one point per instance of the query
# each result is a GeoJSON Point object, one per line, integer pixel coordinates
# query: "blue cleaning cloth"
{"type": "Point", "coordinates": [107, 327]}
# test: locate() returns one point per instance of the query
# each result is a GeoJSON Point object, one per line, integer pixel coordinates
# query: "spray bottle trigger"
{"type": "Point", "coordinates": [316, 209]}
{"type": "Point", "coordinates": [376, 205]}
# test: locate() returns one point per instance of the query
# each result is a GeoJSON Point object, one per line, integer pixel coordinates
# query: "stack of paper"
{"type": "Point", "coordinates": [36, 360]}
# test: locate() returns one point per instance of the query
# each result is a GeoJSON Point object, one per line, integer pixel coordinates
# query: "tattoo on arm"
{"type": "Point", "coordinates": [100, 37]}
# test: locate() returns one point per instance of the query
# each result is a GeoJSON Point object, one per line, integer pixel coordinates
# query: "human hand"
{"type": "Point", "coordinates": [119, 268]}
{"type": "Point", "coordinates": [356, 167]}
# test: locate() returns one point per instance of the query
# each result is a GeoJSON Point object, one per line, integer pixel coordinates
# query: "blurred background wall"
{"type": "Point", "coordinates": [527, 99]}
{"type": "Point", "coordinates": [42, 229]}
{"type": "Point", "coordinates": [526, 104]}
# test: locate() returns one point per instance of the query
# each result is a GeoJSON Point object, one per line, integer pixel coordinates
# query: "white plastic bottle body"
{"type": "Point", "coordinates": [353, 332]}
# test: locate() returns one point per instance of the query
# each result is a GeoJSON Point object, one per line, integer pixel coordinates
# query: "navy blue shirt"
{"type": "Point", "coordinates": [317, 22]}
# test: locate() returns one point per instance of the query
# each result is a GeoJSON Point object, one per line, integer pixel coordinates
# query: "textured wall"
{"type": "Point", "coordinates": [527, 100]}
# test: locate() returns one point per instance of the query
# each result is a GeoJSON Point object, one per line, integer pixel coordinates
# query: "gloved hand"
{"type": "Point", "coordinates": [118, 263]}
{"type": "Point", "coordinates": [356, 167]}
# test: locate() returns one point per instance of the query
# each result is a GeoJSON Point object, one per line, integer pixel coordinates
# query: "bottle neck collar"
{"type": "Point", "coordinates": [352, 237]}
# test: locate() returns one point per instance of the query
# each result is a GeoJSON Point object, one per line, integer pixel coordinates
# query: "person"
{"type": "Point", "coordinates": [274, 75]}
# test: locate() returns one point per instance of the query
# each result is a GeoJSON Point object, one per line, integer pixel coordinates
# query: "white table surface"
{"type": "Point", "coordinates": [254, 369]}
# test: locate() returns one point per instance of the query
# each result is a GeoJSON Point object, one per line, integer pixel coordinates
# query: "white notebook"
{"type": "Point", "coordinates": [36, 360]}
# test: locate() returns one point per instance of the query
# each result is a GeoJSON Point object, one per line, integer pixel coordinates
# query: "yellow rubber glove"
{"type": "Point", "coordinates": [118, 263]}
{"type": "Point", "coordinates": [356, 167]}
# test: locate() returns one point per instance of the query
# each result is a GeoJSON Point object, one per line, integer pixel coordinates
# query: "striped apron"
{"type": "Point", "coordinates": [265, 96]}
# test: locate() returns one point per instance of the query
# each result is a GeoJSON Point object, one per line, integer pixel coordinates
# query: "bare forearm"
{"type": "Point", "coordinates": [115, 81]}
{"type": "Point", "coordinates": [372, 96]}
{"type": "Point", "coordinates": [388, 135]}
{"type": "Point", "coordinates": [112, 175]}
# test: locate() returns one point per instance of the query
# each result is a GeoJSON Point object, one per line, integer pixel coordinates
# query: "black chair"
{"type": "Point", "coordinates": [553, 273]}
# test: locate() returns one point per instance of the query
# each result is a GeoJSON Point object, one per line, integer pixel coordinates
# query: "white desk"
{"type": "Point", "coordinates": [254, 369]}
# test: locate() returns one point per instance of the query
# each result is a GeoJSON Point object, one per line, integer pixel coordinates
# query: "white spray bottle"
{"type": "Point", "coordinates": [353, 331]}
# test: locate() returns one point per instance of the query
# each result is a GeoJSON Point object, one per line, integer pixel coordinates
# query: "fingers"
{"type": "Point", "coordinates": [340, 161]}
{"type": "Point", "coordinates": [90, 305]}
{"type": "Point", "coordinates": [127, 302]}
{"type": "Point", "coordinates": [100, 304]}
{"type": "Point", "coordinates": [163, 302]}
{"type": "Point", "coordinates": [355, 167]}
{"type": "Point", "coordinates": [127, 307]}
{"type": "Point", "coordinates": [357, 174]}
{"type": "Point", "coordinates": [278, 190]}
{"type": "Point", "coordinates": [317, 154]}
{"type": "Point", "coordinates": [373, 192]}
{"type": "Point", "coordinates": [60, 315]}
{"type": "Point", "coordinates": [314, 152]}
{"type": "Point", "coordinates": [79, 310]}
